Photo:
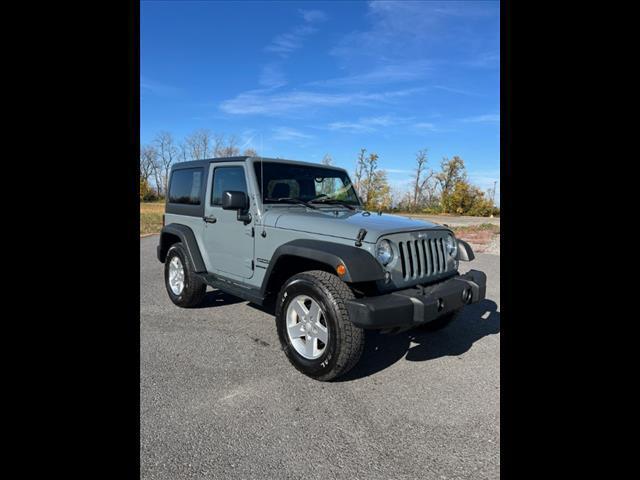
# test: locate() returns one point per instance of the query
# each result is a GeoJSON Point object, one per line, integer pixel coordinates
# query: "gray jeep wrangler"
{"type": "Point", "coordinates": [295, 235]}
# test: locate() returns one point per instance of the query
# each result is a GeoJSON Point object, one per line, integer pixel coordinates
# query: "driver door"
{"type": "Point", "coordinates": [228, 241]}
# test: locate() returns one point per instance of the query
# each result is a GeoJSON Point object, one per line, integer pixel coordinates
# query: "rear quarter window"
{"type": "Point", "coordinates": [185, 186]}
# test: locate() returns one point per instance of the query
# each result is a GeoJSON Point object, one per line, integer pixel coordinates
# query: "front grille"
{"type": "Point", "coordinates": [422, 258]}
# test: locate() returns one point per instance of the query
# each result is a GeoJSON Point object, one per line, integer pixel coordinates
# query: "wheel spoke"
{"type": "Point", "coordinates": [295, 331]}
{"type": "Point", "coordinates": [314, 312]}
{"type": "Point", "coordinates": [304, 328]}
{"type": "Point", "coordinates": [322, 334]}
{"type": "Point", "coordinates": [300, 309]}
{"type": "Point", "coordinates": [310, 346]}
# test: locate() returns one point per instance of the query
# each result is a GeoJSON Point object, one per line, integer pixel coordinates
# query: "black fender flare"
{"type": "Point", "coordinates": [187, 237]}
{"type": "Point", "coordinates": [465, 253]}
{"type": "Point", "coordinates": [360, 265]}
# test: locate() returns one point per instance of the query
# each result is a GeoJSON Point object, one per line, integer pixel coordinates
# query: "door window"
{"type": "Point", "coordinates": [227, 178]}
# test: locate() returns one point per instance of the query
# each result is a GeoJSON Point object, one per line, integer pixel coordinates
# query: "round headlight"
{"type": "Point", "coordinates": [384, 253]}
{"type": "Point", "coordinates": [452, 245]}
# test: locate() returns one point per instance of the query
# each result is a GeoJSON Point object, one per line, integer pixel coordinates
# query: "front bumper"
{"type": "Point", "coordinates": [418, 305]}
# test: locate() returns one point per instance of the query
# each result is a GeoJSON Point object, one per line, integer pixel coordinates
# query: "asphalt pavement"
{"type": "Point", "coordinates": [218, 398]}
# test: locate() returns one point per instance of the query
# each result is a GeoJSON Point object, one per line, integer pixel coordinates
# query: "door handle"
{"type": "Point", "coordinates": [210, 219]}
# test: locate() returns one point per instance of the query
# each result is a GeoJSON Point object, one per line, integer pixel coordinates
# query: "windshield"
{"type": "Point", "coordinates": [303, 182]}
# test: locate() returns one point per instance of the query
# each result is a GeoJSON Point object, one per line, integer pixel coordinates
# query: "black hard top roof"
{"type": "Point", "coordinates": [207, 161]}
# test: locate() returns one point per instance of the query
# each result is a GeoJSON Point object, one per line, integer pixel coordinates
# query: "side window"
{"type": "Point", "coordinates": [227, 178]}
{"type": "Point", "coordinates": [185, 186]}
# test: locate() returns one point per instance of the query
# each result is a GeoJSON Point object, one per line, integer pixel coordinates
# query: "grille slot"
{"type": "Point", "coordinates": [422, 258]}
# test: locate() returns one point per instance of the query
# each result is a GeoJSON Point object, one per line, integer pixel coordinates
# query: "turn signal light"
{"type": "Point", "coordinates": [341, 269]}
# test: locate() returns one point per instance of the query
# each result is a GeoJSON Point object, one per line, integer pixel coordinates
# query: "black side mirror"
{"type": "Point", "coordinates": [233, 200]}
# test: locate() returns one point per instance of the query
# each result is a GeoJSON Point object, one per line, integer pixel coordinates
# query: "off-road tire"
{"type": "Point", "coordinates": [440, 322]}
{"type": "Point", "coordinates": [194, 288]}
{"type": "Point", "coordinates": [346, 341]}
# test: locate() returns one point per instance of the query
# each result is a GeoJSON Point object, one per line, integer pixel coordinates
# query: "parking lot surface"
{"type": "Point", "coordinates": [218, 399]}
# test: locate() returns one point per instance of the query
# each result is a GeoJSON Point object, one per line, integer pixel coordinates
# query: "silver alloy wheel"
{"type": "Point", "coordinates": [306, 327]}
{"type": "Point", "coordinates": [176, 276]}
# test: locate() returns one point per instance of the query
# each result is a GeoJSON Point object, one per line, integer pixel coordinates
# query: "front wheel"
{"type": "Point", "coordinates": [185, 289]}
{"type": "Point", "coordinates": [314, 327]}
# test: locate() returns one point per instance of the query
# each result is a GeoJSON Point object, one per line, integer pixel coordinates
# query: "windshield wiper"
{"type": "Point", "coordinates": [290, 200]}
{"type": "Point", "coordinates": [332, 201]}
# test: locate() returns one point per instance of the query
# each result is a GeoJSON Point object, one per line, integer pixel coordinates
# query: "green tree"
{"type": "Point", "coordinates": [147, 193]}
{"type": "Point", "coordinates": [467, 199]}
{"type": "Point", "coordinates": [452, 172]}
{"type": "Point", "coordinates": [379, 195]}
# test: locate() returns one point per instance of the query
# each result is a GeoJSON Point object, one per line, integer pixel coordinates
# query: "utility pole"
{"type": "Point", "coordinates": [493, 193]}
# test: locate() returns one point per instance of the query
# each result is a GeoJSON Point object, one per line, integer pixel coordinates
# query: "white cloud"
{"type": "Point", "coordinates": [265, 102]}
{"type": "Point", "coordinates": [156, 88]}
{"type": "Point", "coordinates": [287, 133]}
{"type": "Point", "coordinates": [272, 76]}
{"type": "Point", "coordinates": [454, 90]}
{"type": "Point", "coordinates": [312, 16]}
{"type": "Point", "coordinates": [410, 32]}
{"type": "Point", "coordinates": [425, 126]}
{"type": "Point", "coordinates": [485, 60]}
{"type": "Point", "coordinates": [487, 118]}
{"type": "Point", "coordinates": [390, 73]}
{"type": "Point", "coordinates": [350, 127]}
{"type": "Point", "coordinates": [368, 124]}
{"type": "Point", "coordinates": [286, 43]}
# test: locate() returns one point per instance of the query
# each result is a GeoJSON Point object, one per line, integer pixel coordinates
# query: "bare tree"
{"type": "Point", "coordinates": [228, 148]}
{"type": "Point", "coordinates": [359, 172]}
{"type": "Point", "coordinates": [370, 170]}
{"type": "Point", "coordinates": [167, 155]}
{"type": "Point", "coordinates": [218, 144]}
{"type": "Point", "coordinates": [148, 156]}
{"type": "Point", "coordinates": [200, 144]}
{"type": "Point", "coordinates": [327, 159]}
{"type": "Point", "coordinates": [184, 152]}
{"type": "Point", "coordinates": [250, 152]}
{"type": "Point", "coordinates": [421, 164]}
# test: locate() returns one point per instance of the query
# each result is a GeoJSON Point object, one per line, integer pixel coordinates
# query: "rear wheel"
{"type": "Point", "coordinates": [314, 327]}
{"type": "Point", "coordinates": [185, 289]}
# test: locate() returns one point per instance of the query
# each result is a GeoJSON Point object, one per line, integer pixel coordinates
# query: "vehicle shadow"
{"type": "Point", "coordinates": [218, 298]}
{"type": "Point", "coordinates": [383, 350]}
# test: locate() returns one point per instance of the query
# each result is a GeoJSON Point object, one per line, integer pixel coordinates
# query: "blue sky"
{"type": "Point", "coordinates": [302, 79]}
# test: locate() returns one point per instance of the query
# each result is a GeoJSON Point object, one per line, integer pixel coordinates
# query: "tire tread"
{"type": "Point", "coordinates": [352, 337]}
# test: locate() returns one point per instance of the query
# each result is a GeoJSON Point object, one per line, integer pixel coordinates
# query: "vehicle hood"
{"type": "Point", "coordinates": [345, 223]}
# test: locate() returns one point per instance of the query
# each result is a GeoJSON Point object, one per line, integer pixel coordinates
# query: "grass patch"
{"type": "Point", "coordinates": [151, 222]}
{"type": "Point", "coordinates": [484, 227]}
{"type": "Point", "coordinates": [151, 217]}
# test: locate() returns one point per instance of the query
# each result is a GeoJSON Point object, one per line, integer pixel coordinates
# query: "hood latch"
{"type": "Point", "coordinates": [361, 234]}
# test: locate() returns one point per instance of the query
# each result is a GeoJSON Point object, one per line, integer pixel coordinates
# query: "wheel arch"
{"type": "Point", "coordinates": [303, 254]}
{"type": "Point", "coordinates": [174, 233]}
